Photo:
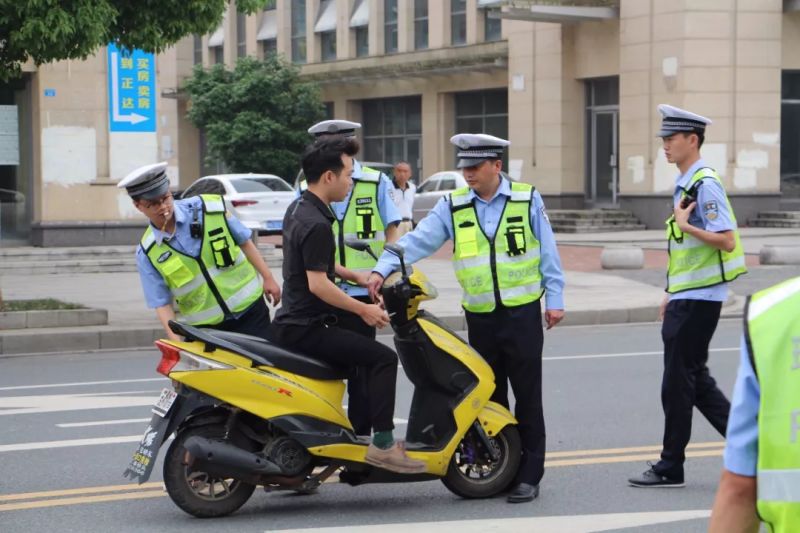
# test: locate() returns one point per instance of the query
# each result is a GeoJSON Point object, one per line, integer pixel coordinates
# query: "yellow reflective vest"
{"type": "Point", "coordinates": [772, 331]}
{"type": "Point", "coordinates": [694, 264]}
{"type": "Point", "coordinates": [212, 287]}
{"type": "Point", "coordinates": [504, 269]}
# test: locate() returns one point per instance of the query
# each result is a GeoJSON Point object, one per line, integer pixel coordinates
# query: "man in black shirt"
{"type": "Point", "coordinates": [307, 320]}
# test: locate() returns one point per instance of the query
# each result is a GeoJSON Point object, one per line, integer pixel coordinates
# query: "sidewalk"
{"type": "Point", "coordinates": [592, 296]}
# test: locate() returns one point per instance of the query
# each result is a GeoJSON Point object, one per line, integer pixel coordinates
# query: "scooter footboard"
{"type": "Point", "coordinates": [494, 417]}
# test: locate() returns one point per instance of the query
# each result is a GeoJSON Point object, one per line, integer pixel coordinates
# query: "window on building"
{"type": "Point", "coordinates": [328, 110]}
{"type": "Point", "coordinates": [217, 52]}
{"type": "Point", "coordinates": [492, 26]}
{"type": "Point", "coordinates": [420, 24]}
{"type": "Point", "coordinates": [299, 31]}
{"type": "Point", "coordinates": [790, 134]}
{"type": "Point", "coordinates": [362, 41]}
{"type": "Point", "coordinates": [328, 45]}
{"type": "Point", "coordinates": [198, 49]}
{"type": "Point", "coordinates": [270, 4]}
{"type": "Point", "coordinates": [241, 34]}
{"type": "Point", "coordinates": [269, 46]}
{"type": "Point", "coordinates": [458, 22]}
{"type": "Point", "coordinates": [483, 112]}
{"type": "Point", "coordinates": [393, 130]}
{"type": "Point", "coordinates": [390, 26]}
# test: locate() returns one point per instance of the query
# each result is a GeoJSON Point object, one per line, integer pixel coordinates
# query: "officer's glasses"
{"type": "Point", "coordinates": [150, 204]}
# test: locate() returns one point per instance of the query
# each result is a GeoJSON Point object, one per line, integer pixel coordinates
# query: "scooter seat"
{"type": "Point", "coordinates": [284, 359]}
{"type": "Point", "coordinates": [262, 352]}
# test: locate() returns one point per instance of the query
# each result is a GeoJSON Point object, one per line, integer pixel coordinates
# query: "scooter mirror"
{"type": "Point", "coordinates": [396, 249]}
{"type": "Point", "coordinates": [361, 246]}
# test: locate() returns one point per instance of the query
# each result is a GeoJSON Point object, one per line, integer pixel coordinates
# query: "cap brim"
{"type": "Point", "coordinates": [466, 163]}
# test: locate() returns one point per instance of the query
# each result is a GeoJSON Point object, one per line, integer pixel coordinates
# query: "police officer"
{"type": "Point", "coordinates": [704, 255]}
{"type": "Point", "coordinates": [304, 323]}
{"type": "Point", "coordinates": [505, 258]}
{"type": "Point", "coordinates": [367, 213]}
{"type": "Point", "coordinates": [761, 478]}
{"type": "Point", "coordinates": [196, 253]}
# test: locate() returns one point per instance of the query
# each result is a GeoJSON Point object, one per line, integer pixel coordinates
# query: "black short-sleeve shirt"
{"type": "Point", "coordinates": [307, 245]}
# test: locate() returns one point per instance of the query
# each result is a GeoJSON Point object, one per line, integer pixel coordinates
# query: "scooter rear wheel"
{"type": "Point", "coordinates": [199, 493]}
{"type": "Point", "coordinates": [471, 477]}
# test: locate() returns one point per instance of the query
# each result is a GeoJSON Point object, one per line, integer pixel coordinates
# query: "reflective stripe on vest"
{"type": "Point", "coordinates": [505, 268]}
{"type": "Point", "coordinates": [772, 328]}
{"type": "Point", "coordinates": [362, 221]}
{"type": "Point", "coordinates": [209, 288]}
{"type": "Point", "coordinates": [694, 264]}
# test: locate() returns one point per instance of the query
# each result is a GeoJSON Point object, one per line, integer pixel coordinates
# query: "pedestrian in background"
{"type": "Point", "coordinates": [403, 194]}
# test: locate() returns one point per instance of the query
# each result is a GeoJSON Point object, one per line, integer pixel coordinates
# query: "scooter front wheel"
{"type": "Point", "coordinates": [199, 493]}
{"type": "Point", "coordinates": [473, 474]}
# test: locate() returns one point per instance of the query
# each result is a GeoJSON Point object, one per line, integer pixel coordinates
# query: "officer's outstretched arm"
{"type": "Point", "coordinates": [735, 506]}
{"type": "Point", "coordinates": [165, 314]}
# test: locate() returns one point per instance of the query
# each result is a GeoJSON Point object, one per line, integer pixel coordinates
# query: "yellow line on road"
{"type": "Point", "coordinates": [55, 498]}
{"type": "Point", "coordinates": [84, 499]}
{"type": "Point", "coordinates": [634, 449]}
{"type": "Point", "coordinates": [81, 491]}
{"type": "Point", "coordinates": [624, 459]}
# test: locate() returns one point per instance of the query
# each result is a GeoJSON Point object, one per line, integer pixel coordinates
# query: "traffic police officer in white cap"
{"type": "Point", "coordinates": [195, 253]}
{"type": "Point", "coordinates": [367, 213]}
{"type": "Point", "coordinates": [505, 258]}
{"type": "Point", "coordinates": [705, 253]}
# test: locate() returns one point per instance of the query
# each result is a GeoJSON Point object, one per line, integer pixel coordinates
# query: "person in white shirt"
{"type": "Point", "coordinates": [403, 194]}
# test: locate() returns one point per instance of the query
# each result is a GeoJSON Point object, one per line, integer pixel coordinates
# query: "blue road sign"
{"type": "Point", "coordinates": [49, 92]}
{"type": "Point", "coordinates": [131, 90]}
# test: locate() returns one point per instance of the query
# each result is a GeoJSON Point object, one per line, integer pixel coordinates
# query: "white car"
{"type": "Point", "coordinates": [258, 200]}
{"type": "Point", "coordinates": [436, 186]}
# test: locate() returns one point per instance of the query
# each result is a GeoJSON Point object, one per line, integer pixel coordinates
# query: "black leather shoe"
{"type": "Point", "coordinates": [524, 492]}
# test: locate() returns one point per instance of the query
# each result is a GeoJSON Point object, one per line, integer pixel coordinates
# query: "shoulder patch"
{"type": "Point", "coordinates": [711, 210]}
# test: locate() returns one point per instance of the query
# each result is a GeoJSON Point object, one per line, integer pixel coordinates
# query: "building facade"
{"type": "Point", "coordinates": [573, 84]}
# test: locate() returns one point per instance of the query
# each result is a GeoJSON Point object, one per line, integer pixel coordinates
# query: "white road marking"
{"type": "Point", "coordinates": [102, 423]}
{"type": "Point", "coordinates": [624, 354]}
{"type": "Point", "coordinates": [81, 384]}
{"type": "Point", "coordinates": [24, 405]}
{"type": "Point", "coordinates": [545, 524]}
{"type": "Point", "coordinates": [46, 445]}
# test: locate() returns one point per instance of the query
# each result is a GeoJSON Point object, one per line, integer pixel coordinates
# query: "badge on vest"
{"type": "Point", "coordinates": [515, 241]}
{"type": "Point", "coordinates": [163, 257]}
{"type": "Point", "coordinates": [363, 201]}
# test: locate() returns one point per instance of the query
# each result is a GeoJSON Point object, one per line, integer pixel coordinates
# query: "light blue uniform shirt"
{"type": "Point", "coordinates": [741, 448]}
{"type": "Point", "coordinates": [387, 210]}
{"type": "Point", "coordinates": [437, 228]}
{"type": "Point", "coordinates": [156, 292]}
{"type": "Point", "coordinates": [710, 214]}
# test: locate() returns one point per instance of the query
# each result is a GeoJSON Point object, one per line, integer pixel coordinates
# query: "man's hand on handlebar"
{"type": "Point", "coordinates": [374, 284]}
{"type": "Point", "coordinates": [374, 315]}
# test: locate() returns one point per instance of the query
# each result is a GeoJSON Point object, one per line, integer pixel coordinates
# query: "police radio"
{"type": "Point", "coordinates": [195, 228]}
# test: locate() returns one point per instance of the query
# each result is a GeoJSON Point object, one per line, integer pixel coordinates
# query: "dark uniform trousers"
{"type": "Point", "coordinates": [254, 321]}
{"type": "Point", "coordinates": [511, 340]}
{"type": "Point", "coordinates": [358, 408]}
{"type": "Point", "coordinates": [687, 330]}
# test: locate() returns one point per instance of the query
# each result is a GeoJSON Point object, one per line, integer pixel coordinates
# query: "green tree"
{"type": "Point", "coordinates": [52, 30]}
{"type": "Point", "coordinates": [255, 117]}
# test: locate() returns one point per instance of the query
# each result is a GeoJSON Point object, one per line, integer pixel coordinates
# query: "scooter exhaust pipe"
{"type": "Point", "coordinates": [223, 459]}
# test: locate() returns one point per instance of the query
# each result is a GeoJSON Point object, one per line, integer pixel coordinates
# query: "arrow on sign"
{"type": "Point", "coordinates": [133, 118]}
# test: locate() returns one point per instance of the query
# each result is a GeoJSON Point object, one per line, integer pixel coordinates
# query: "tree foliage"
{"type": "Point", "coordinates": [255, 117]}
{"type": "Point", "coordinates": [52, 30]}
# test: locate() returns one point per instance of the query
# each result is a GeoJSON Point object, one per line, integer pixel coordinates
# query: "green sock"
{"type": "Point", "coordinates": [383, 439]}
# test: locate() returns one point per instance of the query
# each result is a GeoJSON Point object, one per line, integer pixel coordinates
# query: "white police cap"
{"type": "Point", "coordinates": [475, 148]}
{"type": "Point", "coordinates": [334, 127]}
{"type": "Point", "coordinates": [147, 182]}
{"type": "Point", "coordinates": [676, 120]}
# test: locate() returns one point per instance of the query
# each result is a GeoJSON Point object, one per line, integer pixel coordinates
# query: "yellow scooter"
{"type": "Point", "coordinates": [247, 413]}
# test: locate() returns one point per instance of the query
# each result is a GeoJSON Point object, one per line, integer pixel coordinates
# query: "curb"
{"type": "Point", "coordinates": [60, 318]}
{"type": "Point", "coordinates": [54, 341]}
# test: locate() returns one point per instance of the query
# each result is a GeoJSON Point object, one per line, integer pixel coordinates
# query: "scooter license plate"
{"type": "Point", "coordinates": [164, 402]}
